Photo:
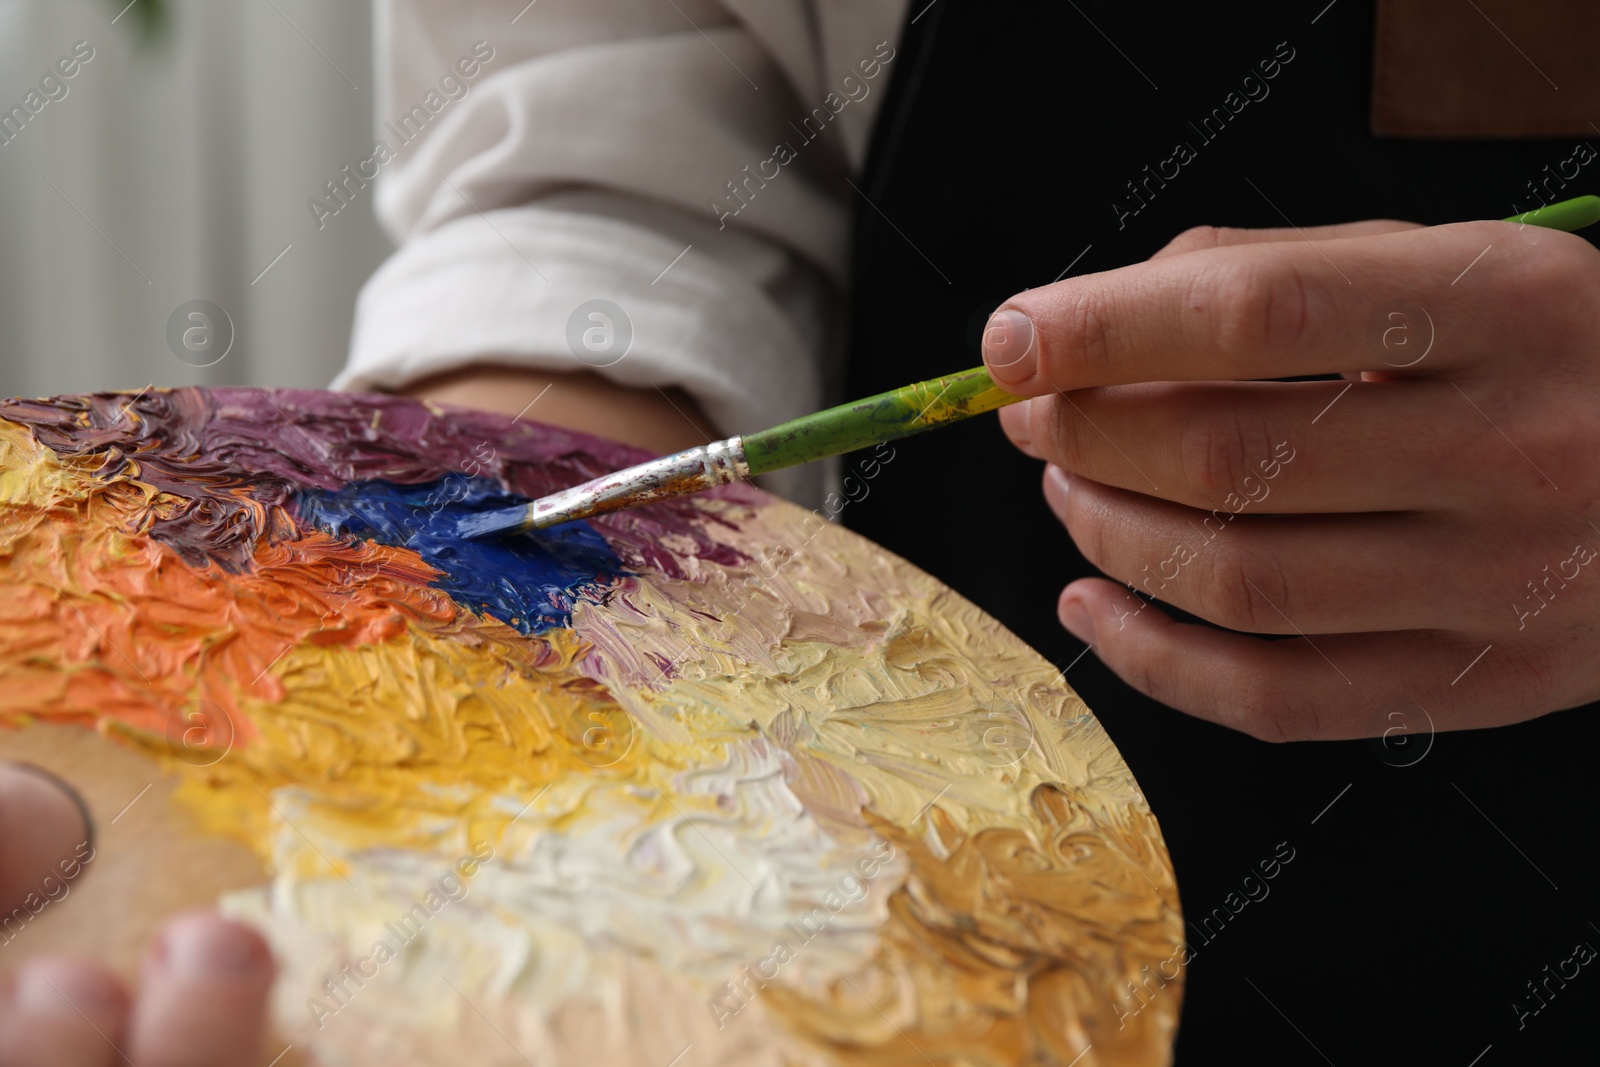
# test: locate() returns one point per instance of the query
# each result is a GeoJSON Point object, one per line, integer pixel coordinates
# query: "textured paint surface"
{"type": "Point", "coordinates": [707, 774]}
{"type": "Point", "coordinates": [530, 582]}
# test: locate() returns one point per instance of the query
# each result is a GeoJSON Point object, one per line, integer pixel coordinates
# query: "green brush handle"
{"type": "Point", "coordinates": [885, 417]}
{"type": "Point", "coordinates": [1567, 215]}
{"type": "Point", "coordinates": [925, 405]}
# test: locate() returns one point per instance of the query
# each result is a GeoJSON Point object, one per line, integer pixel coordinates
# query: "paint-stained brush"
{"type": "Point", "coordinates": [885, 417]}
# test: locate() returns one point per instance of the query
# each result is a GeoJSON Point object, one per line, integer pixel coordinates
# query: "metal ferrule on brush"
{"type": "Point", "coordinates": [689, 471]}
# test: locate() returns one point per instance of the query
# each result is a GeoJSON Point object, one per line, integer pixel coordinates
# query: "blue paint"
{"type": "Point", "coordinates": [529, 582]}
{"type": "Point", "coordinates": [496, 523]}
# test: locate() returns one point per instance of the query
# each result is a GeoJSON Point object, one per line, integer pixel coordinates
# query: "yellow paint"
{"type": "Point", "coordinates": [1039, 885]}
{"type": "Point", "coordinates": [665, 787]}
{"type": "Point", "coordinates": [937, 408]}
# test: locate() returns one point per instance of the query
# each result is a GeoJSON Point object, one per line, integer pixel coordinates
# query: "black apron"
{"type": "Point", "coordinates": [1021, 141]}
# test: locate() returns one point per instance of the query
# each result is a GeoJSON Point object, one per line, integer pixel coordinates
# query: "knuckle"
{"type": "Point", "coordinates": [1561, 259]}
{"type": "Point", "coordinates": [1543, 274]}
{"type": "Point", "coordinates": [1259, 709]}
{"type": "Point", "coordinates": [1259, 308]}
{"type": "Point", "coordinates": [1194, 239]}
{"type": "Point", "coordinates": [1299, 718]}
{"type": "Point", "coordinates": [1061, 435]}
{"type": "Point", "coordinates": [1558, 274]}
{"type": "Point", "coordinates": [1146, 674]}
{"type": "Point", "coordinates": [1088, 531]}
{"type": "Point", "coordinates": [1559, 445]}
{"type": "Point", "coordinates": [1269, 713]}
{"type": "Point", "coordinates": [1533, 673]}
{"type": "Point", "coordinates": [1216, 450]}
{"type": "Point", "coordinates": [1094, 355]}
{"type": "Point", "coordinates": [1543, 434]}
{"type": "Point", "coordinates": [1243, 590]}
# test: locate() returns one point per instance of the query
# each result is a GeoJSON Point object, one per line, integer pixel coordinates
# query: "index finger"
{"type": "Point", "coordinates": [1200, 238]}
{"type": "Point", "coordinates": [1277, 310]}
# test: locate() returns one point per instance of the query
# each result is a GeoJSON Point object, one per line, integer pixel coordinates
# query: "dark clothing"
{"type": "Point", "coordinates": [1018, 139]}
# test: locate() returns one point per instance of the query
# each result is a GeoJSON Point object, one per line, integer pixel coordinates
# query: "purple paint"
{"type": "Point", "coordinates": [239, 455]}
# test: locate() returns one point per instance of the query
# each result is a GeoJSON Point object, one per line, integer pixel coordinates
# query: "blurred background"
{"type": "Point", "coordinates": [176, 168]}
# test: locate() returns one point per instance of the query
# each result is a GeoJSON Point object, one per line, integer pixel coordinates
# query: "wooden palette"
{"type": "Point", "coordinates": [713, 779]}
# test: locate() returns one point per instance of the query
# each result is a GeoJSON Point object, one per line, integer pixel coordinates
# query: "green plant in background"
{"type": "Point", "coordinates": [149, 15]}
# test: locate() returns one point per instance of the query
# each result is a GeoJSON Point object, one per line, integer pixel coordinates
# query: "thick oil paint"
{"type": "Point", "coordinates": [529, 582]}
{"type": "Point", "coordinates": [707, 774]}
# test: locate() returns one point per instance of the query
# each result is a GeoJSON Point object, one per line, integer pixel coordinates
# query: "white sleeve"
{"type": "Point", "coordinates": [684, 160]}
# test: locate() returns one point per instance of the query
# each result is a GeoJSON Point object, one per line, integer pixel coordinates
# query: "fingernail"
{"type": "Point", "coordinates": [1014, 421]}
{"type": "Point", "coordinates": [1059, 478]}
{"type": "Point", "coordinates": [1008, 346]}
{"type": "Point", "coordinates": [1079, 623]}
{"type": "Point", "coordinates": [62, 987]}
{"type": "Point", "coordinates": [203, 947]}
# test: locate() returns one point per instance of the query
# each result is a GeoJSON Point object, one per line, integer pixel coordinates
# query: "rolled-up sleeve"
{"type": "Point", "coordinates": [624, 151]}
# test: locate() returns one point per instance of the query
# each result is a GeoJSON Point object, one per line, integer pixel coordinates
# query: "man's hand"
{"type": "Point", "coordinates": [1426, 528]}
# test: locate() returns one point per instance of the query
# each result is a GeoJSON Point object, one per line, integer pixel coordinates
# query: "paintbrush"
{"type": "Point", "coordinates": [885, 417]}
{"type": "Point", "coordinates": [888, 416]}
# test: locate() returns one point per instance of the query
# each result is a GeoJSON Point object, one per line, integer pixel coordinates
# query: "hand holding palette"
{"type": "Point", "coordinates": [708, 779]}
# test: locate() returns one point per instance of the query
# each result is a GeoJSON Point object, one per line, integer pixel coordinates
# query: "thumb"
{"type": "Point", "coordinates": [43, 825]}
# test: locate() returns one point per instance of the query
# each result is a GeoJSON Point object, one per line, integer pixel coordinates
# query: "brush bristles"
{"type": "Point", "coordinates": [502, 522]}
{"type": "Point", "coordinates": [689, 471]}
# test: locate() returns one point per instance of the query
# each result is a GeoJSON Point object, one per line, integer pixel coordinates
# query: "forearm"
{"type": "Point", "coordinates": [662, 420]}
{"type": "Point", "coordinates": [589, 161]}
